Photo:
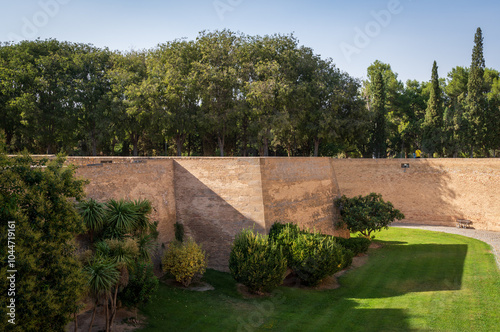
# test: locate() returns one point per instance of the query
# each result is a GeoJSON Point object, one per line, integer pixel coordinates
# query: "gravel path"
{"type": "Point", "coordinates": [490, 237]}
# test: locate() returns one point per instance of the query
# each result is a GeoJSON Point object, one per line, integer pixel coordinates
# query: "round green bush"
{"type": "Point", "coordinates": [256, 262]}
{"type": "Point", "coordinates": [315, 256]}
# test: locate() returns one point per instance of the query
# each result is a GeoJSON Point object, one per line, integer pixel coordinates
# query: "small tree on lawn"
{"type": "Point", "coordinates": [367, 214]}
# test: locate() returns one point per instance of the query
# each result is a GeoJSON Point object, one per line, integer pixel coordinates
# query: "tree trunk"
{"type": "Point", "coordinates": [93, 142]}
{"type": "Point", "coordinates": [135, 142]}
{"type": "Point", "coordinates": [316, 146]}
{"type": "Point", "coordinates": [113, 306]}
{"type": "Point", "coordinates": [93, 315]}
{"type": "Point", "coordinates": [472, 151]}
{"type": "Point", "coordinates": [8, 139]}
{"type": "Point", "coordinates": [179, 141]}
{"type": "Point", "coordinates": [265, 151]}
{"type": "Point", "coordinates": [107, 312]}
{"type": "Point", "coordinates": [76, 321]}
{"type": "Point", "coordinates": [189, 146]}
{"type": "Point", "coordinates": [221, 145]}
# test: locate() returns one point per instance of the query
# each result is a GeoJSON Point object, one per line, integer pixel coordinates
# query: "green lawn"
{"type": "Point", "coordinates": [418, 281]}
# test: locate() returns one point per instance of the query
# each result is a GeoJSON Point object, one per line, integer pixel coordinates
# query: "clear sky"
{"type": "Point", "coordinates": [407, 34]}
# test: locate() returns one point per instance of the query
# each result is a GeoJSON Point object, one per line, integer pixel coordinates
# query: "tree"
{"type": "Point", "coordinates": [379, 136]}
{"type": "Point", "coordinates": [124, 236]}
{"type": "Point", "coordinates": [455, 129]}
{"type": "Point", "coordinates": [393, 90]}
{"type": "Point", "coordinates": [93, 90]}
{"type": "Point", "coordinates": [171, 66]}
{"type": "Point", "coordinates": [133, 97]}
{"type": "Point", "coordinates": [366, 214]}
{"type": "Point", "coordinates": [217, 74]}
{"type": "Point", "coordinates": [36, 196]}
{"type": "Point", "coordinates": [102, 275]}
{"type": "Point", "coordinates": [433, 124]}
{"type": "Point", "coordinates": [413, 101]}
{"type": "Point", "coordinates": [476, 99]}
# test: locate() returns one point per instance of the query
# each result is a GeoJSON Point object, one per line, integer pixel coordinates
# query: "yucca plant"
{"type": "Point", "coordinates": [102, 274]}
{"type": "Point", "coordinates": [143, 210]}
{"type": "Point", "coordinates": [92, 213]}
{"type": "Point", "coordinates": [121, 218]}
{"type": "Point", "coordinates": [122, 252]}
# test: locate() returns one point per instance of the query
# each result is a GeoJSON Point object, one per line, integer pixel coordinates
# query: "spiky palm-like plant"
{"type": "Point", "coordinates": [92, 213]}
{"type": "Point", "coordinates": [123, 253]}
{"type": "Point", "coordinates": [121, 218]}
{"type": "Point", "coordinates": [102, 275]}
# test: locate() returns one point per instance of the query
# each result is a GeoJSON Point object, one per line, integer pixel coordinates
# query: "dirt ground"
{"type": "Point", "coordinates": [125, 320]}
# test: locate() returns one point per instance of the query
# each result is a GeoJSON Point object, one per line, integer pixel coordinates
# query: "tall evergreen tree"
{"type": "Point", "coordinates": [476, 99]}
{"type": "Point", "coordinates": [433, 123]}
{"type": "Point", "coordinates": [378, 108]}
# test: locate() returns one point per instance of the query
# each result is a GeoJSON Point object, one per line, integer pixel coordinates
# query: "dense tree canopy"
{"type": "Point", "coordinates": [227, 93]}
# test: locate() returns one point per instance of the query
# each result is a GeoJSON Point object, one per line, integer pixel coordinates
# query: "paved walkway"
{"type": "Point", "coordinates": [490, 237]}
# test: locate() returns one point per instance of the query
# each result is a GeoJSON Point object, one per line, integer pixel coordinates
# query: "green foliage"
{"type": "Point", "coordinates": [122, 252]}
{"type": "Point", "coordinates": [179, 232]}
{"type": "Point", "coordinates": [126, 237]}
{"type": "Point", "coordinates": [378, 100]}
{"type": "Point", "coordinates": [366, 214]}
{"type": "Point", "coordinates": [92, 213]}
{"type": "Point", "coordinates": [285, 237]}
{"type": "Point", "coordinates": [277, 228]}
{"type": "Point", "coordinates": [256, 262]}
{"type": "Point", "coordinates": [358, 245]}
{"type": "Point", "coordinates": [433, 124]}
{"type": "Point", "coordinates": [315, 256]}
{"type": "Point", "coordinates": [37, 196]}
{"type": "Point", "coordinates": [185, 261]}
{"type": "Point", "coordinates": [102, 274]}
{"type": "Point", "coordinates": [142, 285]}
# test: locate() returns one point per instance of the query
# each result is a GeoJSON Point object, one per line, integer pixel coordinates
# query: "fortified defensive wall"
{"type": "Point", "coordinates": [214, 198]}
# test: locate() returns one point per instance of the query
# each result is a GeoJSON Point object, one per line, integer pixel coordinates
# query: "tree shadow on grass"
{"type": "Point", "coordinates": [401, 269]}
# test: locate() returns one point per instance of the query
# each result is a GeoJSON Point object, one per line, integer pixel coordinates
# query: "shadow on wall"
{"type": "Point", "coordinates": [208, 218]}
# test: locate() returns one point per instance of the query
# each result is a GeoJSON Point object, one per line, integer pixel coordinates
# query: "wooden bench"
{"type": "Point", "coordinates": [463, 223]}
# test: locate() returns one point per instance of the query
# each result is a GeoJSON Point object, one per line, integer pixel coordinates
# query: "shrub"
{"type": "Point", "coordinates": [141, 286]}
{"type": "Point", "coordinates": [284, 236]}
{"type": "Point", "coordinates": [256, 262]}
{"type": "Point", "coordinates": [185, 261]}
{"type": "Point", "coordinates": [315, 256]}
{"type": "Point", "coordinates": [278, 227]}
{"type": "Point", "coordinates": [358, 245]}
{"type": "Point", "coordinates": [367, 214]}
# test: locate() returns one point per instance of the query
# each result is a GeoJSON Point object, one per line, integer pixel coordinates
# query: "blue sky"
{"type": "Point", "coordinates": [407, 34]}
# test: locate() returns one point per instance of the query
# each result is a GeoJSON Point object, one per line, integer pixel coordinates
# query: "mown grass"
{"type": "Point", "coordinates": [418, 281]}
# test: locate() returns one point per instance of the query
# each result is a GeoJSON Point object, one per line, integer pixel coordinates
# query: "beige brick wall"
{"type": "Point", "coordinates": [301, 191]}
{"type": "Point", "coordinates": [431, 191]}
{"type": "Point", "coordinates": [214, 198]}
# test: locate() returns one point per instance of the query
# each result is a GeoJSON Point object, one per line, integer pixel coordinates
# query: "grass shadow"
{"type": "Point", "coordinates": [409, 268]}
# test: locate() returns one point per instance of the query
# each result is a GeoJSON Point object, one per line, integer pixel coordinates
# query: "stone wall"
{"type": "Point", "coordinates": [214, 198]}
{"type": "Point", "coordinates": [431, 191]}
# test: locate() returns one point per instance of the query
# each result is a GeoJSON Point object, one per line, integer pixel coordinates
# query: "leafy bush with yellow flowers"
{"type": "Point", "coordinates": [186, 261]}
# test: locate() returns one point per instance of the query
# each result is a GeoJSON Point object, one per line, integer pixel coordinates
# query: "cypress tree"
{"type": "Point", "coordinates": [378, 106]}
{"type": "Point", "coordinates": [433, 123]}
{"type": "Point", "coordinates": [476, 100]}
